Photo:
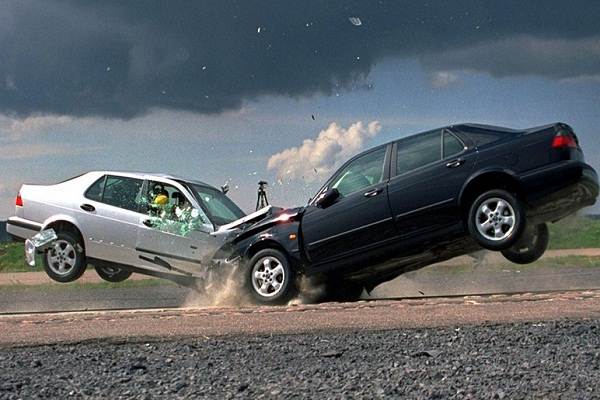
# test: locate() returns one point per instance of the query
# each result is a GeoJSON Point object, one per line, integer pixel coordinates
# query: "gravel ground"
{"type": "Point", "coordinates": [527, 360]}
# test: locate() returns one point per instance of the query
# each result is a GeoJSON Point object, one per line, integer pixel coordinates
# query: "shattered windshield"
{"type": "Point", "coordinates": [220, 209]}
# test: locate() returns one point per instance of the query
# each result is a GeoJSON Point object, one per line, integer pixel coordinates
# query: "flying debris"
{"type": "Point", "coordinates": [312, 116]}
{"type": "Point", "coordinates": [355, 21]}
{"type": "Point", "coordinates": [259, 29]}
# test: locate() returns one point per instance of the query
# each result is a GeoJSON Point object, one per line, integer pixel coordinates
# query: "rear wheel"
{"type": "Point", "coordinates": [530, 247]}
{"type": "Point", "coordinates": [269, 277]}
{"type": "Point", "coordinates": [113, 274]}
{"type": "Point", "coordinates": [496, 220]}
{"type": "Point", "coordinates": [65, 260]}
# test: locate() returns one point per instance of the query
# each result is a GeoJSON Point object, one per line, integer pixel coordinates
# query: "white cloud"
{"type": "Point", "coordinates": [524, 55]}
{"type": "Point", "coordinates": [15, 151]}
{"type": "Point", "coordinates": [443, 79]}
{"type": "Point", "coordinates": [15, 128]}
{"type": "Point", "coordinates": [321, 155]}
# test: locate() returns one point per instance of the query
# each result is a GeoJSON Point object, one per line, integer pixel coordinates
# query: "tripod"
{"type": "Point", "coordinates": [262, 201]}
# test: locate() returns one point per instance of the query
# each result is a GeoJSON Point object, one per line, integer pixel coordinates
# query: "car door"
{"type": "Point", "coordinates": [174, 233]}
{"type": "Point", "coordinates": [428, 171]}
{"type": "Point", "coordinates": [360, 219]}
{"type": "Point", "coordinates": [110, 213]}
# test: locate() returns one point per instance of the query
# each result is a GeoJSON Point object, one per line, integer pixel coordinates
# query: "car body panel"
{"type": "Point", "coordinates": [426, 199]}
{"type": "Point", "coordinates": [428, 203]}
{"type": "Point", "coordinates": [113, 235]}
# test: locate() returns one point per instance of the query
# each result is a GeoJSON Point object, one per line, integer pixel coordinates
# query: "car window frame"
{"type": "Point", "coordinates": [106, 176]}
{"type": "Point", "coordinates": [464, 149]}
{"type": "Point", "coordinates": [85, 194]}
{"type": "Point", "coordinates": [101, 201]}
{"type": "Point", "coordinates": [384, 178]}
{"type": "Point", "coordinates": [394, 161]}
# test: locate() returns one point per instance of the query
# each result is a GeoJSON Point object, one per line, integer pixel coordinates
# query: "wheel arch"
{"type": "Point", "coordinates": [64, 223]}
{"type": "Point", "coordinates": [266, 244]}
{"type": "Point", "coordinates": [487, 180]}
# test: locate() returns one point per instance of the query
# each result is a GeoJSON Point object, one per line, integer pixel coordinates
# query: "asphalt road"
{"type": "Point", "coordinates": [437, 280]}
{"type": "Point", "coordinates": [443, 348]}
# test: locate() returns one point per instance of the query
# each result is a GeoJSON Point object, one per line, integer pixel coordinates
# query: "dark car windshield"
{"type": "Point", "coordinates": [220, 209]}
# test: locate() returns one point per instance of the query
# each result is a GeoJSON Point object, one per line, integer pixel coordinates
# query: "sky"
{"type": "Point", "coordinates": [239, 91]}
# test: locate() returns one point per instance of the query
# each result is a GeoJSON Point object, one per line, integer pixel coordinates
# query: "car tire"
{"type": "Point", "coordinates": [270, 278]}
{"type": "Point", "coordinates": [496, 220]}
{"type": "Point", "coordinates": [65, 261]}
{"type": "Point", "coordinates": [530, 247]}
{"type": "Point", "coordinates": [112, 274]}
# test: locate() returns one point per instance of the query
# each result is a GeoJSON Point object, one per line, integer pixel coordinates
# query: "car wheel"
{"type": "Point", "coordinates": [65, 260]}
{"type": "Point", "coordinates": [113, 274]}
{"type": "Point", "coordinates": [496, 220]}
{"type": "Point", "coordinates": [270, 279]}
{"type": "Point", "coordinates": [530, 247]}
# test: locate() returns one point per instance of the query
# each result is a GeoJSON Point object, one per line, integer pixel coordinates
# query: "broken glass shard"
{"type": "Point", "coordinates": [355, 21]}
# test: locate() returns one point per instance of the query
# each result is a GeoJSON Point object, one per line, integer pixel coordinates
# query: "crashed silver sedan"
{"type": "Point", "coordinates": [155, 224]}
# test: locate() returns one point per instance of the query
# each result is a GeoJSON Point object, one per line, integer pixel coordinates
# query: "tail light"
{"type": "Point", "coordinates": [19, 200]}
{"type": "Point", "coordinates": [564, 140]}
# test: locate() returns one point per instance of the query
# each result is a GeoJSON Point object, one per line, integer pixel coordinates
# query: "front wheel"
{"type": "Point", "coordinates": [530, 247]}
{"type": "Point", "coordinates": [113, 274]}
{"type": "Point", "coordinates": [270, 279]}
{"type": "Point", "coordinates": [65, 260]}
{"type": "Point", "coordinates": [496, 220]}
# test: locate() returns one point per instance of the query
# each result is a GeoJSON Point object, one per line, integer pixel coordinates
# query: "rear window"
{"type": "Point", "coordinates": [482, 137]}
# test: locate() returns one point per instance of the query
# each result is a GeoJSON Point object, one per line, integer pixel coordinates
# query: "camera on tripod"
{"type": "Point", "coordinates": [262, 200]}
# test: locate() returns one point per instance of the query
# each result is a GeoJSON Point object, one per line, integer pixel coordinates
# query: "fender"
{"type": "Point", "coordinates": [492, 169]}
{"type": "Point", "coordinates": [283, 235]}
{"type": "Point", "coordinates": [62, 217]}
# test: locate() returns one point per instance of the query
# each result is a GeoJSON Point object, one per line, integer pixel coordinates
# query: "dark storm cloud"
{"type": "Point", "coordinates": [120, 59]}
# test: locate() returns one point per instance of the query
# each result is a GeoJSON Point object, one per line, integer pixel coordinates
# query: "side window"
{"type": "Point", "coordinates": [172, 211]}
{"type": "Point", "coordinates": [94, 192]}
{"type": "Point", "coordinates": [452, 145]}
{"type": "Point", "coordinates": [361, 173]}
{"type": "Point", "coordinates": [217, 205]}
{"type": "Point", "coordinates": [417, 151]}
{"type": "Point", "coordinates": [122, 192]}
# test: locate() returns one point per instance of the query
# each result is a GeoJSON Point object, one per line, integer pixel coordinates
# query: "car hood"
{"type": "Point", "coordinates": [259, 220]}
{"type": "Point", "coordinates": [248, 219]}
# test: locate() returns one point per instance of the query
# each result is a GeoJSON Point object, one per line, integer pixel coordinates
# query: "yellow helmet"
{"type": "Point", "coordinates": [161, 200]}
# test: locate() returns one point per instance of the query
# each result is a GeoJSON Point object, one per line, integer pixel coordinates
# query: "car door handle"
{"type": "Point", "coordinates": [455, 163]}
{"type": "Point", "coordinates": [148, 223]}
{"type": "Point", "coordinates": [372, 193]}
{"type": "Point", "coordinates": [88, 207]}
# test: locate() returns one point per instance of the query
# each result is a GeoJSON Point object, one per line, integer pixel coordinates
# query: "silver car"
{"type": "Point", "coordinates": [123, 222]}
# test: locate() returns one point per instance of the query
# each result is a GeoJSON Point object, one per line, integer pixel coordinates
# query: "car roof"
{"type": "Point", "coordinates": [149, 175]}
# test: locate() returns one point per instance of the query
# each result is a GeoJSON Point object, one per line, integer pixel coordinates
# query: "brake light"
{"type": "Point", "coordinates": [19, 200]}
{"type": "Point", "coordinates": [563, 141]}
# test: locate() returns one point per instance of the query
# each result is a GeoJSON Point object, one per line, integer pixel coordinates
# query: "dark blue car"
{"type": "Point", "coordinates": [421, 200]}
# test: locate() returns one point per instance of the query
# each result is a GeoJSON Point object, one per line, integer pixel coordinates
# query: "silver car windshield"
{"type": "Point", "coordinates": [220, 209]}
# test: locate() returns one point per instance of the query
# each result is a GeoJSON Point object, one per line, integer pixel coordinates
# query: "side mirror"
{"type": "Point", "coordinates": [327, 198]}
